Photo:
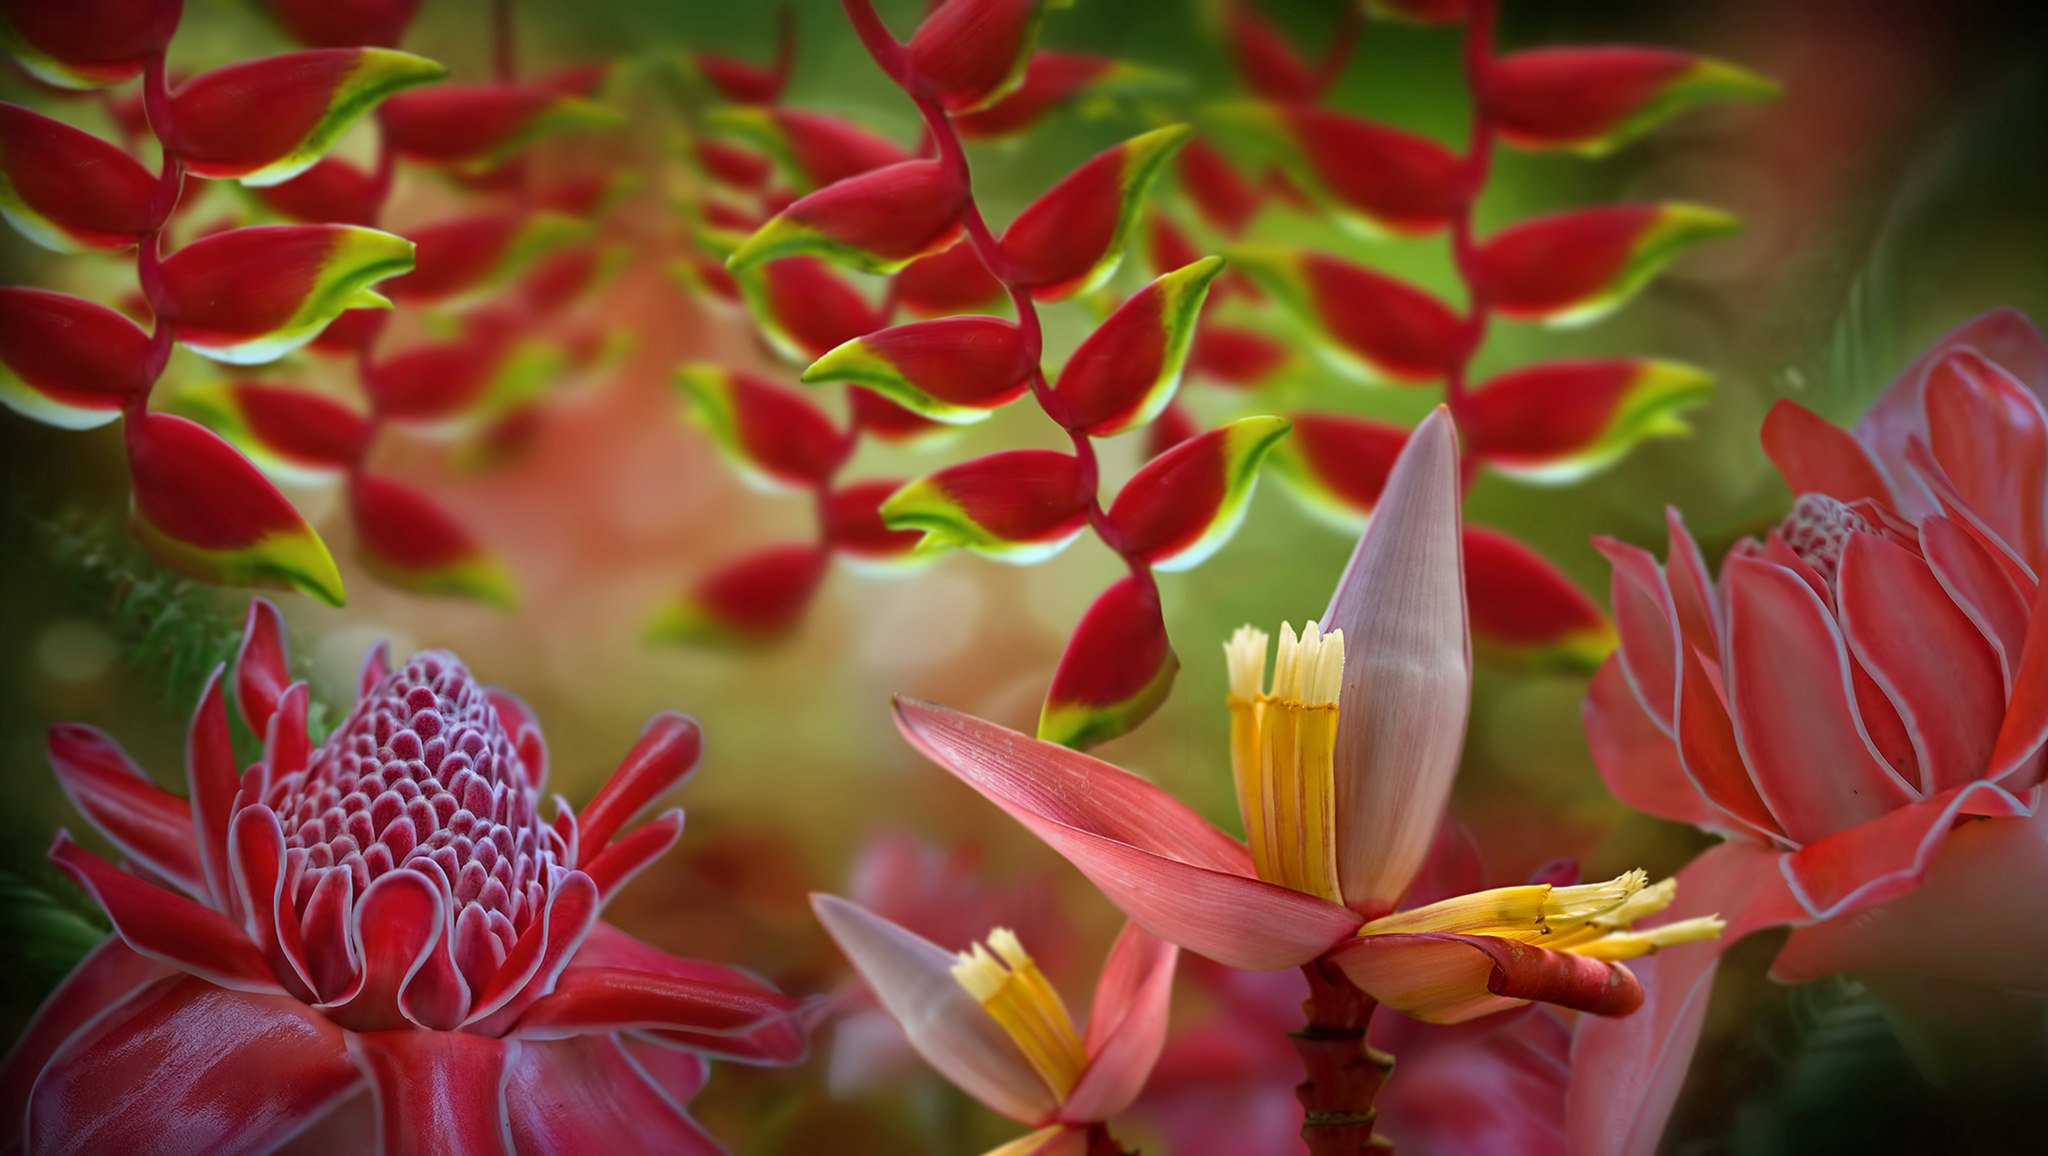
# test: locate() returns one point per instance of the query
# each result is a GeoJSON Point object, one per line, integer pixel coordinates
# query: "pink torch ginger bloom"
{"type": "Point", "coordinates": [1342, 767]}
{"type": "Point", "coordinates": [988, 1020]}
{"type": "Point", "coordinates": [375, 944]}
{"type": "Point", "coordinates": [1858, 705]}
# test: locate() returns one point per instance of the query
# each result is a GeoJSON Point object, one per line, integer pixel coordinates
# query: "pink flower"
{"type": "Point", "coordinates": [378, 942]}
{"type": "Point", "coordinates": [989, 1021]}
{"type": "Point", "coordinates": [1858, 706]}
{"type": "Point", "coordinates": [1342, 768]}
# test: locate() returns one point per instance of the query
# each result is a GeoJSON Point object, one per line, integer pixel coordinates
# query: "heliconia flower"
{"type": "Point", "coordinates": [732, 165]}
{"type": "Point", "coordinates": [952, 281]}
{"type": "Point", "coordinates": [67, 362]}
{"type": "Point", "coordinates": [1116, 670]}
{"type": "Point", "coordinates": [205, 511]}
{"type": "Point", "coordinates": [1561, 421]}
{"type": "Point", "coordinates": [265, 121]}
{"type": "Point", "coordinates": [884, 421]}
{"type": "Point", "coordinates": [854, 528]}
{"type": "Point", "coordinates": [817, 149]}
{"type": "Point", "coordinates": [803, 309]}
{"type": "Point", "coordinates": [1855, 703]}
{"type": "Point", "coordinates": [89, 43]}
{"type": "Point", "coordinates": [1071, 239]}
{"type": "Point", "coordinates": [290, 432]}
{"type": "Point", "coordinates": [1019, 506]}
{"type": "Point", "coordinates": [1128, 369]}
{"type": "Point", "coordinates": [950, 369]}
{"type": "Point", "coordinates": [745, 82]}
{"type": "Point", "coordinates": [1219, 192]}
{"type": "Point", "coordinates": [1050, 80]}
{"type": "Point", "coordinates": [252, 295]}
{"type": "Point", "coordinates": [332, 191]}
{"type": "Point", "coordinates": [1235, 355]}
{"type": "Point", "coordinates": [1575, 267]}
{"type": "Point", "coordinates": [344, 23]}
{"type": "Point", "coordinates": [756, 599]}
{"type": "Point", "coordinates": [1338, 465]}
{"type": "Point", "coordinates": [1173, 426]}
{"type": "Point", "coordinates": [561, 278]}
{"type": "Point", "coordinates": [972, 53]}
{"type": "Point", "coordinates": [878, 221]}
{"type": "Point", "coordinates": [69, 190]}
{"type": "Point", "coordinates": [1180, 507]}
{"type": "Point", "coordinates": [1375, 180]}
{"type": "Point", "coordinates": [1594, 100]}
{"type": "Point", "coordinates": [989, 1021]}
{"type": "Point", "coordinates": [775, 437]}
{"type": "Point", "coordinates": [1527, 615]}
{"type": "Point", "coordinates": [352, 333]}
{"type": "Point", "coordinates": [1342, 765]}
{"type": "Point", "coordinates": [478, 126]}
{"type": "Point", "coordinates": [1363, 322]}
{"type": "Point", "coordinates": [1265, 61]}
{"type": "Point", "coordinates": [410, 542]}
{"type": "Point", "coordinates": [379, 936]}
{"type": "Point", "coordinates": [464, 253]}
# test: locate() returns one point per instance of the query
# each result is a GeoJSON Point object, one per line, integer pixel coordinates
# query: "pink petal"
{"type": "Point", "coordinates": [147, 823]}
{"type": "Point", "coordinates": [287, 747]}
{"type": "Point", "coordinates": [1712, 759]}
{"type": "Point", "coordinates": [1961, 923]}
{"type": "Point", "coordinates": [680, 1075]}
{"type": "Point", "coordinates": [1991, 437]}
{"type": "Point", "coordinates": [587, 1097]}
{"type": "Point", "coordinates": [167, 926]}
{"type": "Point", "coordinates": [517, 719]}
{"type": "Point", "coordinates": [1874, 861]}
{"type": "Point", "coordinates": [533, 964]}
{"type": "Point", "coordinates": [257, 856]}
{"type": "Point", "coordinates": [1692, 588]}
{"type": "Point", "coordinates": [1639, 763]}
{"type": "Point", "coordinates": [1817, 457]}
{"type": "Point", "coordinates": [183, 1066]}
{"type": "Point", "coordinates": [1448, 979]}
{"type": "Point", "coordinates": [1921, 648]}
{"type": "Point", "coordinates": [1408, 674]}
{"type": "Point", "coordinates": [1162, 864]}
{"type": "Point", "coordinates": [607, 999]}
{"type": "Point", "coordinates": [2025, 726]}
{"type": "Point", "coordinates": [1647, 621]}
{"type": "Point", "coordinates": [616, 865]}
{"type": "Point", "coordinates": [109, 974]}
{"type": "Point", "coordinates": [1126, 1027]}
{"type": "Point", "coordinates": [437, 1093]}
{"type": "Point", "coordinates": [780, 1040]}
{"type": "Point", "coordinates": [1789, 693]}
{"type": "Point", "coordinates": [1626, 1072]}
{"type": "Point", "coordinates": [1949, 500]}
{"type": "Point", "coordinates": [1980, 587]}
{"type": "Point", "coordinates": [667, 752]}
{"type": "Point", "coordinates": [913, 978]}
{"type": "Point", "coordinates": [261, 673]}
{"type": "Point", "coordinates": [212, 783]}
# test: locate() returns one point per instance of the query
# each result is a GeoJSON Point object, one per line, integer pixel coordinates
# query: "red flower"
{"type": "Point", "coordinates": [379, 936]}
{"type": "Point", "coordinates": [1858, 705]}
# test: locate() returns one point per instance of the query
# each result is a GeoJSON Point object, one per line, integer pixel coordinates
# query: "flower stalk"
{"type": "Point", "coordinates": [1344, 1073]}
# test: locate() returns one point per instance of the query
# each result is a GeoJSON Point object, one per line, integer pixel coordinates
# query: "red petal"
{"type": "Point", "coordinates": [1648, 626]}
{"type": "Point", "coordinates": [1173, 426]}
{"type": "Point", "coordinates": [1990, 436]}
{"type": "Point", "coordinates": [953, 281]}
{"type": "Point", "coordinates": [2004, 336]}
{"type": "Point", "coordinates": [295, 430]}
{"type": "Point", "coordinates": [753, 599]}
{"type": "Point", "coordinates": [431, 384]}
{"type": "Point", "coordinates": [1592, 99]}
{"type": "Point", "coordinates": [1525, 610]}
{"type": "Point", "coordinates": [92, 42]}
{"type": "Point", "coordinates": [821, 149]}
{"type": "Point", "coordinates": [65, 189]}
{"type": "Point", "coordinates": [1127, 370]}
{"type": "Point", "coordinates": [211, 786]}
{"type": "Point", "coordinates": [1387, 179]}
{"type": "Point", "coordinates": [68, 362]}
{"type": "Point", "coordinates": [1569, 268]}
{"type": "Point", "coordinates": [1126, 1026]}
{"type": "Point", "coordinates": [535, 962]}
{"type": "Point", "coordinates": [1560, 421]}
{"type": "Point", "coordinates": [267, 120]}
{"type": "Point", "coordinates": [1339, 464]}
{"type": "Point", "coordinates": [398, 924]}
{"type": "Point", "coordinates": [147, 823]}
{"type": "Point", "coordinates": [468, 124]}
{"type": "Point", "coordinates": [1379, 325]}
{"type": "Point", "coordinates": [331, 191]}
{"type": "Point", "coordinates": [950, 367]}
{"type": "Point", "coordinates": [1220, 193]}
{"type": "Point", "coordinates": [252, 295]}
{"type": "Point", "coordinates": [1815, 457]}
{"type": "Point", "coordinates": [1638, 762]}
{"type": "Point", "coordinates": [1116, 670]}
{"type": "Point", "coordinates": [878, 221]}
{"type": "Point", "coordinates": [261, 665]}
{"type": "Point", "coordinates": [615, 866]}
{"type": "Point", "coordinates": [1184, 504]}
{"type": "Point", "coordinates": [2025, 726]}
{"type": "Point", "coordinates": [410, 542]}
{"type": "Point", "coordinates": [1018, 505]}
{"type": "Point", "coordinates": [780, 1041]}
{"type": "Point", "coordinates": [344, 23]}
{"type": "Point", "coordinates": [805, 310]}
{"type": "Point", "coordinates": [732, 165]}
{"type": "Point", "coordinates": [1071, 238]}
{"type": "Point", "coordinates": [1712, 759]}
{"type": "Point", "coordinates": [774, 435]}
{"type": "Point", "coordinates": [1875, 861]}
{"type": "Point", "coordinates": [668, 751]}
{"type": "Point", "coordinates": [854, 526]}
{"type": "Point", "coordinates": [437, 1093]}
{"type": "Point", "coordinates": [884, 421]}
{"type": "Point", "coordinates": [591, 999]}
{"type": "Point", "coordinates": [746, 83]}
{"type": "Point", "coordinates": [106, 977]}
{"type": "Point", "coordinates": [1266, 62]}
{"type": "Point", "coordinates": [970, 52]}
{"type": "Point", "coordinates": [167, 926]}
{"type": "Point", "coordinates": [1050, 79]}
{"type": "Point", "coordinates": [185, 1067]}
{"type": "Point", "coordinates": [456, 256]}
{"type": "Point", "coordinates": [589, 1095]}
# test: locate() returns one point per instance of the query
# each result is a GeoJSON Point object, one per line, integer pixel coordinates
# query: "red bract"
{"type": "Point", "coordinates": [1115, 671]}
{"type": "Point", "coordinates": [376, 934]}
{"type": "Point", "coordinates": [456, 256]}
{"type": "Point", "coordinates": [332, 191]}
{"type": "Point", "coordinates": [1565, 419]}
{"type": "Point", "coordinates": [1366, 322]}
{"type": "Point", "coordinates": [1525, 613]}
{"type": "Point", "coordinates": [1371, 177]}
{"type": "Point", "coordinates": [953, 281]}
{"type": "Point", "coordinates": [1219, 192]}
{"type": "Point", "coordinates": [744, 82]}
{"type": "Point", "coordinates": [775, 436]}
{"type": "Point", "coordinates": [252, 295]}
{"type": "Point", "coordinates": [1016, 506]}
{"type": "Point", "coordinates": [878, 221]}
{"type": "Point", "coordinates": [1848, 695]}
{"type": "Point", "coordinates": [1071, 239]}
{"type": "Point", "coordinates": [1050, 79]}
{"type": "Point", "coordinates": [480, 125]}
{"type": "Point", "coordinates": [411, 543]}
{"type": "Point", "coordinates": [954, 369]}
{"type": "Point", "coordinates": [732, 165]}
{"type": "Point", "coordinates": [1269, 65]}
{"type": "Point", "coordinates": [1235, 355]}
{"type": "Point", "coordinates": [265, 121]}
{"type": "Point", "coordinates": [345, 23]}
{"type": "Point", "coordinates": [1570, 268]}
{"type": "Point", "coordinates": [971, 53]}
{"type": "Point", "coordinates": [803, 309]}
{"type": "Point", "coordinates": [1595, 99]}
{"type": "Point", "coordinates": [68, 362]}
{"type": "Point", "coordinates": [754, 599]}
{"type": "Point", "coordinates": [854, 527]}
{"type": "Point", "coordinates": [89, 43]}
{"type": "Point", "coordinates": [818, 149]}
{"type": "Point", "coordinates": [69, 190]}
{"type": "Point", "coordinates": [288, 430]}
{"type": "Point", "coordinates": [1127, 370]}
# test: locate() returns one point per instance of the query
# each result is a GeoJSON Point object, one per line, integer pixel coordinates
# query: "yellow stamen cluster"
{"type": "Point", "coordinates": [1283, 745]}
{"type": "Point", "coordinates": [1590, 919]}
{"type": "Point", "coordinates": [1007, 983]}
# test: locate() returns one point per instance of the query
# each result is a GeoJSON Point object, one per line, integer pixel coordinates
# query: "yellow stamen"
{"type": "Point", "coordinates": [1630, 944]}
{"type": "Point", "coordinates": [1590, 919]}
{"type": "Point", "coordinates": [1283, 753]}
{"type": "Point", "coordinates": [1014, 992]}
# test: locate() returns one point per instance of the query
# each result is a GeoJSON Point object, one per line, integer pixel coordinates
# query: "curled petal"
{"type": "Point", "coordinates": [261, 665]}
{"type": "Point", "coordinates": [1816, 457]}
{"type": "Point", "coordinates": [1363, 322]}
{"type": "Point", "coordinates": [1408, 673]}
{"type": "Point", "coordinates": [249, 296]}
{"type": "Point", "coordinates": [266, 121]}
{"type": "Point", "coordinates": [667, 753]}
{"type": "Point", "coordinates": [147, 823]}
{"type": "Point", "coordinates": [69, 190]}
{"type": "Point", "coordinates": [1446, 979]}
{"type": "Point", "coordinates": [167, 927]}
{"type": "Point", "coordinates": [1562, 421]}
{"type": "Point", "coordinates": [878, 221]}
{"type": "Point", "coordinates": [1990, 436]}
{"type": "Point", "coordinates": [1338, 465]}
{"type": "Point", "coordinates": [1071, 239]}
{"type": "Point", "coordinates": [1183, 505]}
{"type": "Point", "coordinates": [951, 369]}
{"type": "Point", "coordinates": [1126, 1026]}
{"type": "Point", "coordinates": [206, 511]}
{"type": "Point", "coordinates": [1593, 100]}
{"type": "Point", "coordinates": [753, 599]}
{"type": "Point", "coordinates": [67, 362]}
{"type": "Point", "coordinates": [2004, 336]}
{"type": "Point", "coordinates": [1875, 861]}
{"type": "Point", "coordinates": [1127, 370]}
{"type": "Point", "coordinates": [1573, 268]}
{"type": "Point", "coordinates": [412, 543]}
{"type": "Point", "coordinates": [437, 1093]}
{"type": "Point", "coordinates": [1527, 614]}
{"type": "Point", "coordinates": [1116, 670]}
{"type": "Point", "coordinates": [1018, 506]}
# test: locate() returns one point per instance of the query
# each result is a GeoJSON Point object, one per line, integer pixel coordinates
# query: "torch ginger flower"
{"type": "Point", "coordinates": [1858, 705]}
{"type": "Point", "coordinates": [379, 939]}
{"type": "Point", "coordinates": [1343, 766]}
{"type": "Point", "coordinates": [989, 1021]}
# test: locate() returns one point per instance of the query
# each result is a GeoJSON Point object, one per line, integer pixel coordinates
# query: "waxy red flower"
{"type": "Point", "coordinates": [379, 936]}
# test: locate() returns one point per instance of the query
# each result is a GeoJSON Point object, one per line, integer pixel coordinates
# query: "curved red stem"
{"type": "Point", "coordinates": [1344, 1072]}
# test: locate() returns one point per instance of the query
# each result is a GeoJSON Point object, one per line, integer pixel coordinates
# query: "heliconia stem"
{"type": "Point", "coordinates": [1344, 1072]}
